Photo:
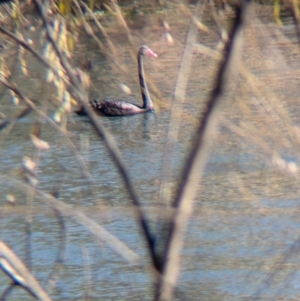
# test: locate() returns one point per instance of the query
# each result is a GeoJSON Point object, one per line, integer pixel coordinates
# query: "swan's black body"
{"type": "Point", "coordinates": [123, 108]}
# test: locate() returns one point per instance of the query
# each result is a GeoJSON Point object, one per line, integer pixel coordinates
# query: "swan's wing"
{"type": "Point", "coordinates": [116, 107]}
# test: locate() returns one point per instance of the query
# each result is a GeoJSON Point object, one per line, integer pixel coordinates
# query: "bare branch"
{"type": "Point", "coordinates": [61, 251]}
{"type": "Point", "coordinates": [92, 226]}
{"type": "Point", "coordinates": [17, 271]}
{"type": "Point", "coordinates": [107, 138]}
{"type": "Point", "coordinates": [196, 163]}
{"type": "Point", "coordinates": [179, 98]}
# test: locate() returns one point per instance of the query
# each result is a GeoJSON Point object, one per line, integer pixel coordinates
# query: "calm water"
{"type": "Point", "coordinates": [245, 223]}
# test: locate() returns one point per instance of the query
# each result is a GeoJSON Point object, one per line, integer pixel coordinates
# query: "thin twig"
{"type": "Point", "coordinates": [113, 52]}
{"type": "Point", "coordinates": [179, 98]}
{"type": "Point", "coordinates": [42, 114]}
{"type": "Point", "coordinates": [99, 232]}
{"type": "Point", "coordinates": [294, 6]}
{"type": "Point", "coordinates": [196, 163]}
{"type": "Point", "coordinates": [163, 227]}
{"type": "Point", "coordinates": [101, 131]}
{"type": "Point", "coordinates": [7, 291]}
{"type": "Point", "coordinates": [61, 251]}
{"type": "Point", "coordinates": [122, 21]}
{"type": "Point", "coordinates": [293, 250]}
{"type": "Point", "coordinates": [5, 122]}
{"type": "Point", "coordinates": [25, 45]}
{"type": "Point", "coordinates": [20, 275]}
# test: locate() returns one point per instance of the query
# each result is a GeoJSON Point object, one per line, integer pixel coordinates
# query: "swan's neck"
{"type": "Point", "coordinates": [147, 102]}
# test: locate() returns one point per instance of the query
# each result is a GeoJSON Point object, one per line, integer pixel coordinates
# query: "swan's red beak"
{"type": "Point", "coordinates": [151, 53]}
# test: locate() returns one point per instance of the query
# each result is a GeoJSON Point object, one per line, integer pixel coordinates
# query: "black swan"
{"type": "Point", "coordinates": [120, 107]}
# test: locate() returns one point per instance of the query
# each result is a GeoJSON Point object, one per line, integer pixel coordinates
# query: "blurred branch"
{"type": "Point", "coordinates": [222, 32]}
{"type": "Point", "coordinates": [78, 216]}
{"type": "Point", "coordinates": [276, 12]}
{"type": "Point", "coordinates": [179, 98]}
{"type": "Point", "coordinates": [24, 44]}
{"type": "Point", "coordinates": [33, 107]}
{"type": "Point", "coordinates": [196, 162]}
{"type": "Point", "coordinates": [5, 122]}
{"type": "Point", "coordinates": [7, 291]}
{"type": "Point", "coordinates": [291, 253]}
{"type": "Point", "coordinates": [112, 53]}
{"type": "Point", "coordinates": [19, 274]}
{"type": "Point", "coordinates": [294, 6]}
{"type": "Point", "coordinates": [61, 251]}
{"type": "Point", "coordinates": [273, 111]}
{"type": "Point", "coordinates": [122, 22]}
{"type": "Point", "coordinates": [173, 126]}
{"type": "Point", "coordinates": [101, 131]}
{"type": "Point", "coordinates": [82, 98]}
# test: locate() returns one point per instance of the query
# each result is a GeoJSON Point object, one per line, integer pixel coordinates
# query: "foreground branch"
{"type": "Point", "coordinates": [196, 163]}
{"type": "Point", "coordinates": [19, 274]}
{"type": "Point", "coordinates": [67, 210]}
{"type": "Point", "coordinates": [107, 138]}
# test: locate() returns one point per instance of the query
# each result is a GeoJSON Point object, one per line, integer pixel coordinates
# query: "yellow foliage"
{"type": "Point", "coordinates": [277, 12]}
{"type": "Point", "coordinates": [70, 42]}
{"type": "Point", "coordinates": [91, 4]}
{"type": "Point", "coordinates": [64, 6]}
{"type": "Point", "coordinates": [296, 9]}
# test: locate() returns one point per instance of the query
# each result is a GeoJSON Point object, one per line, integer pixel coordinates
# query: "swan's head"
{"type": "Point", "coordinates": [145, 50]}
